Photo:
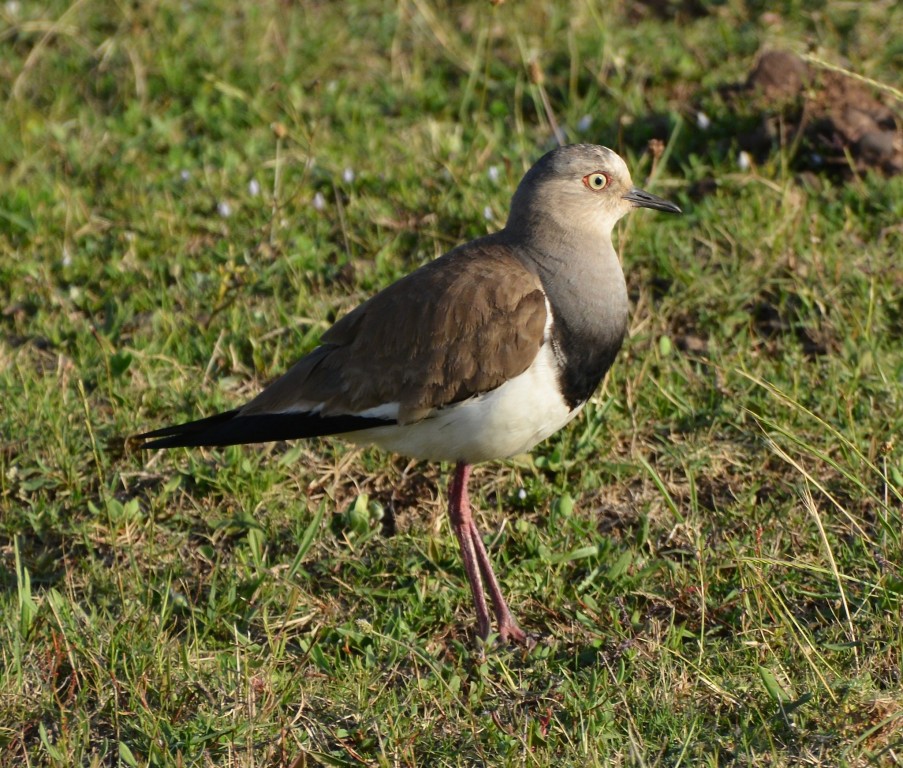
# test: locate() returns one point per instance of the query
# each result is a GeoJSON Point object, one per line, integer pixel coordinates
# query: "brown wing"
{"type": "Point", "coordinates": [456, 327]}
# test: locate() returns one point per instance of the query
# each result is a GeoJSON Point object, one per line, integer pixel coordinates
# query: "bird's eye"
{"type": "Point", "coordinates": [596, 180]}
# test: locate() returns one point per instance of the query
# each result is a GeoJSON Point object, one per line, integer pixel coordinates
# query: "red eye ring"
{"type": "Point", "coordinates": [596, 180]}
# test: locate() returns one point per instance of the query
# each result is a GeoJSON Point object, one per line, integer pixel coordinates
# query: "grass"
{"type": "Point", "coordinates": [711, 555]}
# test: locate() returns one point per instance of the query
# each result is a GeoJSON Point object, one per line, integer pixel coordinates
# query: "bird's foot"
{"type": "Point", "coordinates": [509, 632]}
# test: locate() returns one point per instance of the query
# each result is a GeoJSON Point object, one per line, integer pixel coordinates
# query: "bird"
{"type": "Point", "coordinates": [476, 356]}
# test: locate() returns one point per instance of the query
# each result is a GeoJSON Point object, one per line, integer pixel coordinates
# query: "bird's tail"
{"type": "Point", "coordinates": [235, 428]}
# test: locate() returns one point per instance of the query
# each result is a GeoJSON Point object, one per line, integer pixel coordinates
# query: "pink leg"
{"type": "Point", "coordinates": [461, 521]}
{"type": "Point", "coordinates": [508, 628]}
{"type": "Point", "coordinates": [476, 561]}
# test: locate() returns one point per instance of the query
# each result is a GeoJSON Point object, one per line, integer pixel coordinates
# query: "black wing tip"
{"type": "Point", "coordinates": [186, 435]}
{"type": "Point", "coordinates": [145, 443]}
{"type": "Point", "coordinates": [234, 428]}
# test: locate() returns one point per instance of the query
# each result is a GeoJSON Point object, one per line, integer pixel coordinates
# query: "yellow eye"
{"type": "Point", "coordinates": [596, 180]}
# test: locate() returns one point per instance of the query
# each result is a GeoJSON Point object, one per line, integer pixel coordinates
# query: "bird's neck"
{"type": "Point", "coordinates": [584, 282]}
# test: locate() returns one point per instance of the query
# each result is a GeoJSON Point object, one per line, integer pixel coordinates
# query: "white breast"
{"type": "Point", "coordinates": [494, 425]}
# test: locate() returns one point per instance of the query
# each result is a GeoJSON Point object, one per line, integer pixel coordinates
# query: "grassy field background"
{"type": "Point", "coordinates": [711, 556]}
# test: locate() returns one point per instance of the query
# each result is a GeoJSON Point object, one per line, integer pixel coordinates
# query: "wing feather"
{"type": "Point", "coordinates": [458, 326]}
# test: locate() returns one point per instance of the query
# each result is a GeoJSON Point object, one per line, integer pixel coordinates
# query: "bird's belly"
{"type": "Point", "coordinates": [494, 425]}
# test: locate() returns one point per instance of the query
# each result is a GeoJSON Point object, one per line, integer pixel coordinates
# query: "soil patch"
{"type": "Point", "coordinates": [831, 121]}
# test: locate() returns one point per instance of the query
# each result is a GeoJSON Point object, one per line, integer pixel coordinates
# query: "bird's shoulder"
{"type": "Point", "coordinates": [464, 288]}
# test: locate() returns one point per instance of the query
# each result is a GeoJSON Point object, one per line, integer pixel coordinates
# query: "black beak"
{"type": "Point", "coordinates": [642, 199]}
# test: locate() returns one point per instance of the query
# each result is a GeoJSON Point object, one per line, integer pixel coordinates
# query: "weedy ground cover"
{"type": "Point", "coordinates": [711, 555]}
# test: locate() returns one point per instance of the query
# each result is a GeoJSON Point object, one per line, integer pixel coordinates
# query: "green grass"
{"type": "Point", "coordinates": [711, 555]}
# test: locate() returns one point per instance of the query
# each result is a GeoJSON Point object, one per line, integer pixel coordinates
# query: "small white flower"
{"type": "Point", "coordinates": [348, 175]}
{"type": "Point", "coordinates": [703, 120]}
{"type": "Point", "coordinates": [185, 174]}
{"type": "Point", "coordinates": [224, 209]}
{"type": "Point", "coordinates": [67, 257]}
{"type": "Point", "coordinates": [522, 493]}
{"type": "Point", "coordinates": [744, 161]}
{"type": "Point", "coordinates": [488, 214]}
{"type": "Point", "coordinates": [253, 187]}
{"type": "Point", "coordinates": [493, 173]}
{"type": "Point", "coordinates": [319, 202]}
{"type": "Point", "coordinates": [584, 123]}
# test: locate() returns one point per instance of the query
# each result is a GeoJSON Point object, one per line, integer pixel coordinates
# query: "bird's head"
{"type": "Point", "coordinates": [579, 187]}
